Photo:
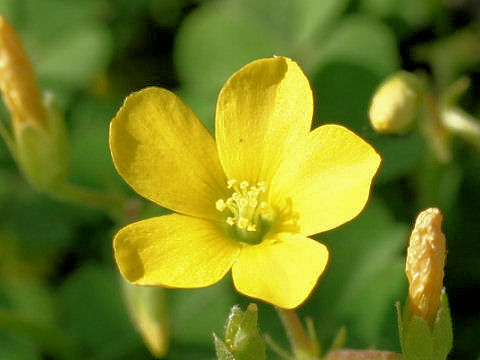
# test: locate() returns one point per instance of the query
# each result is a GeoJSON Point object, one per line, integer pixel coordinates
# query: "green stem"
{"type": "Point", "coordinates": [434, 131]}
{"type": "Point", "coordinates": [57, 344]}
{"type": "Point", "coordinates": [277, 348]}
{"type": "Point", "coordinates": [303, 347]}
{"type": "Point", "coordinates": [113, 204]}
{"type": "Point", "coordinates": [362, 355]}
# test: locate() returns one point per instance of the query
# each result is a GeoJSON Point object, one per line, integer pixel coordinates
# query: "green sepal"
{"type": "Point", "coordinates": [442, 330]}
{"type": "Point", "coordinates": [421, 340]}
{"type": "Point", "coordinates": [41, 152]}
{"type": "Point", "coordinates": [233, 322]}
{"type": "Point", "coordinates": [418, 340]}
{"type": "Point", "coordinates": [222, 350]}
{"type": "Point", "coordinates": [398, 307]}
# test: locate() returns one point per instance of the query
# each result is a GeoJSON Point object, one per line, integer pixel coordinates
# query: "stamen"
{"type": "Point", "coordinates": [220, 205]}
{"type": "Point", "coordinates": [230, 183]}
{"type": "Point", "coordinates": [246, 205]}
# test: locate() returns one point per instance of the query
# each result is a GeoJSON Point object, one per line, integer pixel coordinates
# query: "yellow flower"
{"type": "Point", "coordinates": [248, 201]}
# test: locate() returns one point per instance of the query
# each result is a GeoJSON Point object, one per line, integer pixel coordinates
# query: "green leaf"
{"type": "Point", "coordinates": [412, 12]}
{"type": "Point", "coordinates": [215, 41]}
{"type": "Point", "coordinates": [89, 45]}
{"type": "Point", "coordinates": [363, 41]}
{"type": "Point", "coordinates": [95, 315]}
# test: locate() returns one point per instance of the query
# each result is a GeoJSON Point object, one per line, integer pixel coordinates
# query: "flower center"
{"type": "Point", "coordinates": [250, 215]}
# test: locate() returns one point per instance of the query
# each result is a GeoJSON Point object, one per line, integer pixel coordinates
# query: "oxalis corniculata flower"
{"type": "Point", "coordinates": [249, 200]}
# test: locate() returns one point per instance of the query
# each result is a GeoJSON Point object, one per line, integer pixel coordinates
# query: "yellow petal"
{"type": "Point", "coordinates": [282, 270]}
{"type": "Point", "coordinates": [261, 111]}
{"type": "Point", "coordinates": [174, 251]}
{"type": "Point", "coordinates": [165, 153]}
{"type": "Point", "coordinates": [326, 181]}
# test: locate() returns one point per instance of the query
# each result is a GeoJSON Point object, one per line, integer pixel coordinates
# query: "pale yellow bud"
{"type": "Point", "coordinates": [147, 307]}
{"type": "Point", "coordinates": [17, 81]}
{"type": "Point", "coordinates": [425, 264]}
{"type": "Point", "coordinates": [395, 104]}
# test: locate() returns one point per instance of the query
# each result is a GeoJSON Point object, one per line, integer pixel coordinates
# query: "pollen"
{"type": "Point", "coordinates": [246, 206]}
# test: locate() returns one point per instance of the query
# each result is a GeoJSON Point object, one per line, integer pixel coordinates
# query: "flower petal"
{"type": "Point", "coordinates": [326, 181]}
{"type": "Point", "coordinates": [165, 153]}
{"type": "Point", "coordinates": [261, 111]}
{"type": "Point", "coordinates": [282, 270]}
{"type": "Point", "coordinates": [174, 251]}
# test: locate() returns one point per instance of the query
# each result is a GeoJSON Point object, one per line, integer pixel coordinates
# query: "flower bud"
{"type": "Point", "coordinates": [17, 81]}
{"type": "Point", "coordinates": [395, 104]}
{"type": "Point", "coordinates": [242, 337]}
{"type": "Point", "coordinates": [39, 140]}
{"type": "Point", "coordinates": [147, 307]}
{"type": "Point", "coordinates": [425, 264]}
{"type": "Point", "coordinates": [425, 326]}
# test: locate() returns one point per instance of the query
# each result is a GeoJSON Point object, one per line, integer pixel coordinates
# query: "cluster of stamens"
{"type": "Point", "coordinates": [246, 204]}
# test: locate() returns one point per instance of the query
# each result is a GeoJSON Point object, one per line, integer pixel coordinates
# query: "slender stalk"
{"type": "Point", "coordinates": [303, 347]}
{"type": "Point", "coordinates": [277, 348]}
{"type": "Point", "coordinates": [113, 204]}
{"type": "Point", "coordinates": [434, 131]}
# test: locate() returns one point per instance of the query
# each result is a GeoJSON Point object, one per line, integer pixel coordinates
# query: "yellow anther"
{"type": "Point", "coordinates": [244, 185]}
{"type": "Point", "coordinates": [220, 205]}
{"type": "Point", "coordinates": [246, 205]}
{"type": "Point", "coordinates": [242, 223]}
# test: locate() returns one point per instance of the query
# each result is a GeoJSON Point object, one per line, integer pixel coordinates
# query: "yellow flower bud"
{"type": "Point", "coordinates": [38, 142]}
{"type": "Point", "coordinates": [17, 81]}
{"type": "Point", "coordinates": [395, 104]}
{"type": "Point", "coordinates": [425, 264]}
{"type": "Point", "coordinates": [147, 307]}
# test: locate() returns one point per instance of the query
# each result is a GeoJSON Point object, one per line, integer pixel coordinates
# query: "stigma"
{"type": "Point", "coordinates": [246, 206]}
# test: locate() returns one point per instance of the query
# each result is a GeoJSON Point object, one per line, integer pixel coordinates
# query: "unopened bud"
{"type": "Point", "coordinates": [242, 337]}
{"type": "Point", "coordinates": [395, 104]}
{"type": "Point", "coordinates": [425, 264]}
{"type": "Point", "coordinates": [39, 139]}
{"type": "Point", "coordinates": [425, 323]}
{"type": "Point", "coordinates": [147, 307]}
{"type": "Point", "coordinates": [17, 81]}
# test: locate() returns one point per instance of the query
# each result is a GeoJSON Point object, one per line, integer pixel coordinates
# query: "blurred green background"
{"type": "Point", "coordinates": [60, 291]}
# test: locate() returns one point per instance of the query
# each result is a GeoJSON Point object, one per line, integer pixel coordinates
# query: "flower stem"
{"type": "Point", "coordinates": [113, 204]}
{"type": "Point", "coordinates": [303, 347]}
